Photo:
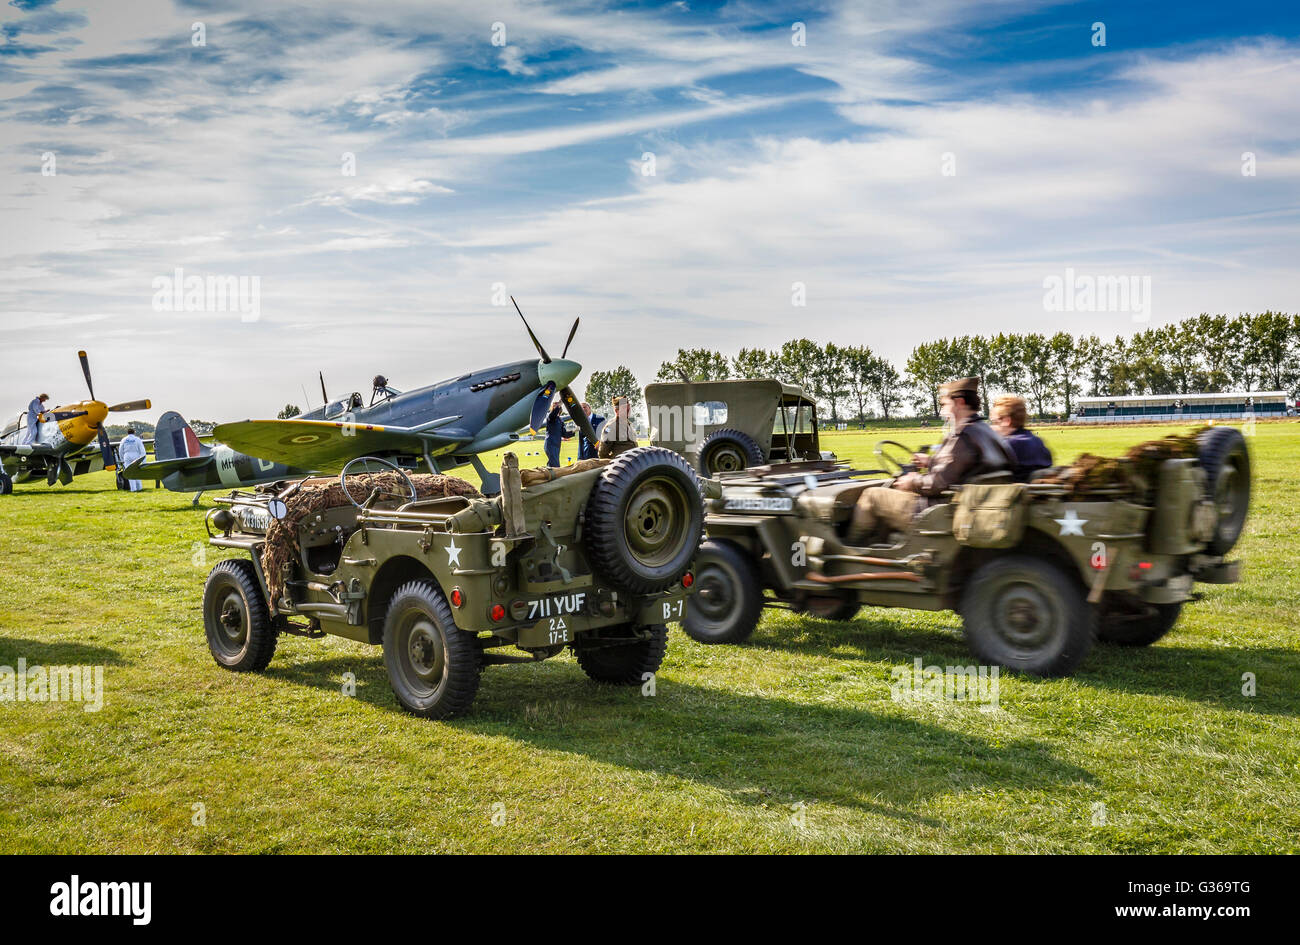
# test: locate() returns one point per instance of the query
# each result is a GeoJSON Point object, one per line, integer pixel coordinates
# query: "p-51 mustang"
{"type": "Point", "coordinates": [65, 442]}
{"type": "Point", "coordinates": [445, 425]}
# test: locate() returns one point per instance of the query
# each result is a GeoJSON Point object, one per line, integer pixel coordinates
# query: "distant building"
{"type": "Point", "coordinates": [1261, 405]}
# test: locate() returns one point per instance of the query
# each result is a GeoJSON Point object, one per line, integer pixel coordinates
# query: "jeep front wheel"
{"type": "Point", "coordinates": [241, 634]}
{"type": "Point", "coordinates": [728, 597]}
{"type": "Point", "coordinates": [624, 664]}
{"type": "Point", "coordinates": [433, 665]}
{"type": "Point", "coordinates": [1027, 614]}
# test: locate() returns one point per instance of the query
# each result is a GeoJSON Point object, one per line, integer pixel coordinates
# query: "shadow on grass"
{"type": "Point", "coordinates": [58, 653]}
{"type": "Point", "coordinates": [1208, 675]}
{"type": "Point", "coordinates": [758, 750]}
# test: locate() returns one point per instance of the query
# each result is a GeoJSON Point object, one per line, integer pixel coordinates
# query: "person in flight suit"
{"type": "Point", "coordinates": [617, 435]}
{"type": "Point", "coordinates": [971, 447]}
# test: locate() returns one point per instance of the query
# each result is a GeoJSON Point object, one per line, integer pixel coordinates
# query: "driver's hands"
{"type": "Point", "coordinates": [907, 482]}
{"type": "Point", "coordinates": [921, 460]}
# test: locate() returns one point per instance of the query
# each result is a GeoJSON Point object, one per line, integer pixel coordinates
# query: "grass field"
{"type": "Point", "coordinates": [789, 744]}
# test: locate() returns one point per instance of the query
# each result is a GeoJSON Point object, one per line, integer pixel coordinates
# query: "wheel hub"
{"type": "Point", "coordinates": [1024, 616]}
{"type": "Point", "coordinates": [424, 652]}
{"type": "Point", "coordinates": [232, 620]}
{"type": "Point", "coordinates": [653, 523]}
{"type": "Point", "coordinates": [716, 598]}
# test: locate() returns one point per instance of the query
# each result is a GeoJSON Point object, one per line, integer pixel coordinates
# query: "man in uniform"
{"type": "Point", "coordinates": [970, 447]}
{"type": "Point", "coordinates": [617, 435]}
{"type": "Point", "coordinates": [34, 411]}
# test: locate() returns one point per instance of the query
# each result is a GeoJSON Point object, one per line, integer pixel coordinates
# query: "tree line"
{"type": "Point", "coordinates": [1203, 354]}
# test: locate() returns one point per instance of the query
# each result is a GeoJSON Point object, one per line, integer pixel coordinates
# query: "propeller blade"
{"type": "Point", "coordinates": [106, 449]}
{"type": "Point", "coordinates": [536, 344]}
{"type": "Point", "coordinates": [542, 406]}
{"type": "Point", "coordinates": [580, 419]}
{"type": "Point", "coordinates": [130, 405]}
{"type": "Point", "coordinates": [85, 369]}
{"type": "Point", "coordinates": [325, 398]}
{"type": "Point", "coordinates": [572, 331]}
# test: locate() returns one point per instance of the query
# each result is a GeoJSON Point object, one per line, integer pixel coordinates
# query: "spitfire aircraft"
{"type": "Point", "coordinates": [65, 442]}
{"type": "Point", "coordinates": [184, 464]}
{"type": "Point", "coordinates": [445, 425]}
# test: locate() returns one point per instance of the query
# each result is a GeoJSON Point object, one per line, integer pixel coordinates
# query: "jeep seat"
{"type": "Point", "coordinates": [832, 504]}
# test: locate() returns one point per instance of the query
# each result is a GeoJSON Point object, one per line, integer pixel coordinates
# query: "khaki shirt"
{"type": "Point", "coordinates": [960, 453]}
{"type": "Point", "coordinates": [617, 430]}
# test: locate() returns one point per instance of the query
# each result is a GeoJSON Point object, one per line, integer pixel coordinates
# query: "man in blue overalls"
{"type": "Point", "coordinates": [555, 433]}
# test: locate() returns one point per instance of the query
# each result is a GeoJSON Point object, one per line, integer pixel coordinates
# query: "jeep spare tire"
{"type": "Point", "coordinates": [1226, 461]}
{"type": "Point", "coordinates": [728, 451]}
{"type": "Point", "coordinates": [644, 520]}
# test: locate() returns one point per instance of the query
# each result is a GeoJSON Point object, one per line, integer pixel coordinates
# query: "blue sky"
{"type": "Point", "coordinates": [479, 164]}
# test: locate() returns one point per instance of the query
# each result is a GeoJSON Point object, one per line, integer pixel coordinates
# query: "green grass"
{"type": "Point", "coordinates": [734, 743]}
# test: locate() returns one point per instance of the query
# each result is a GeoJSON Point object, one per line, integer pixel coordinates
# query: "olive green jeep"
{"type": "Point", "coordinates": [1037, 569]}
{"type": "Point", "coordinates": [727, 426]}
{"type": "Point", "coordinates": [596, 558]}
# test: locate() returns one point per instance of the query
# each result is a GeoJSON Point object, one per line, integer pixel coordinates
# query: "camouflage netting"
{"type": "Point", "coordinates": [533, 477]}
{"type": "Point", "coordinates": [1136, 471]}
{"type": "Point", "coordinates": [317, 495]}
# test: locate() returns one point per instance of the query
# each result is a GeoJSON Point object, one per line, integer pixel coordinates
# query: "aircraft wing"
{"type": "Point", "coordinates": [327, 445]}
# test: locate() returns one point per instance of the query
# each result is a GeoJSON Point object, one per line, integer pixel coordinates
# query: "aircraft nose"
{"type": "Point", "coordinates": [96, 413]}
{"type": "Point", "coordinates": [561, 371]}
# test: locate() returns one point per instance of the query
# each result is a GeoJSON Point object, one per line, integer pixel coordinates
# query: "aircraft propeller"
{"type": "Point", "coordinates": [571, 402]}
{"type": "Point", "coordinates": [105, 447]}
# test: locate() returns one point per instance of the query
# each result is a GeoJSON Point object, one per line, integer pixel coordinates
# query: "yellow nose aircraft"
{"type": "Point", "coordinates": [60, 445]}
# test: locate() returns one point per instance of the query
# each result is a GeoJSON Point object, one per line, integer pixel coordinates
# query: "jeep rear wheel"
{"type": "Point", "coordinates": [433, 665]}
{"type": "Point", "coordinates": [1128, 621]}
{"type": "Point", "coordinates": [728, 597]}
{"type": "Point", "coordinates": [241, 634]}
{"type": "Point", "coordinates": [726, 451]}
{"type": "Point", "coordinates": [1226, 461]}
{"type": "Point", "coordinates": [644, 520]}
{"type": "Point", "coordinates": [624, 664]}
{"type": "Point", "coordinates": [6, 483]}
{"type": "Point", "coordinates": [1027, 614]}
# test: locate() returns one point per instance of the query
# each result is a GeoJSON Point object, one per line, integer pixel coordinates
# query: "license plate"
{"type": "Point", "coordinates": [759, 503]}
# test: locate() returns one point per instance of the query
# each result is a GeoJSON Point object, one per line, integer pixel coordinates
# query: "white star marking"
{"type": "Point", "coordinates": [453, 553]}
{"type": "Point", "coordinates": [1071, 524]}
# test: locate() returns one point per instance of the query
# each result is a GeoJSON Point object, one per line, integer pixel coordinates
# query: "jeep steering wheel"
{"type": "Point", "coordinates": [376, 491]}
{"type": "Point", "coordinates": [900, 465]}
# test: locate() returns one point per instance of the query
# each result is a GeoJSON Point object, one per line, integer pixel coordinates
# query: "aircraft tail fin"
{"type": "Point", "coordinates": [173, 439]}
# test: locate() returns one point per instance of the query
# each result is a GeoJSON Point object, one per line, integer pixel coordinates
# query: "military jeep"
{"type": "Point", "coordinates": [1036, 569]}
{"type": "Point", "coordinates": [596, 558]}
{"type": "Point", "coordinates": [727, 426]}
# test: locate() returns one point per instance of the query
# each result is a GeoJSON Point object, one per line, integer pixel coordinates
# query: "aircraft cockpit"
{"type": "Point", "coordinates": [381, 390]}
{"type": "Point", "coordinates": [348, 404]}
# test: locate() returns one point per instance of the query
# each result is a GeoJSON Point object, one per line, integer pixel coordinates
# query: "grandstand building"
{"type": "Point", "coordinates": [1261, 405]}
